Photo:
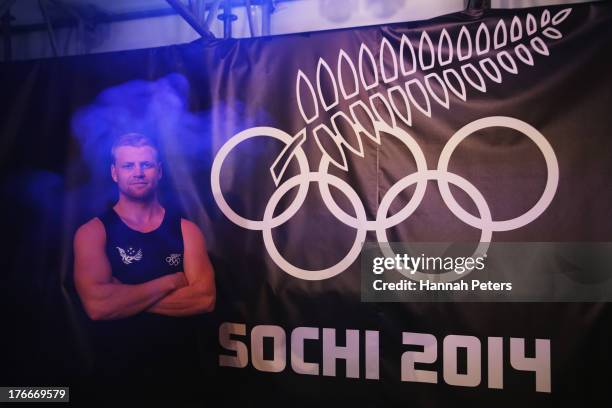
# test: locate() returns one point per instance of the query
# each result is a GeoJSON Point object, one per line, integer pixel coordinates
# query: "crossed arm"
{"type": "Point", "coordinates": [179, 294]}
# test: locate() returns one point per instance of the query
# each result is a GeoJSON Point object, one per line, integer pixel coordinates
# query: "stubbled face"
{"type": "Point", "coordinates": [136, 172]}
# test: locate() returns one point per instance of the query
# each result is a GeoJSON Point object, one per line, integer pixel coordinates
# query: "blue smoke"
{"type": "Point", "coordinates": [187, 140]}
{"type": "Point", "coordinates": [158, 109]}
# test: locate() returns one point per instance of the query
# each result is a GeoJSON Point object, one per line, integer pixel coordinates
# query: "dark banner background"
{"type": "Point", "coordinates": [58, 116]}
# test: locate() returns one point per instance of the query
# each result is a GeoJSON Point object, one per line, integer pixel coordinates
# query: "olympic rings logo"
{"type": "Point", "coordinates": [174, 259]}
{"type": "Point", "coordinates": [359, 222]}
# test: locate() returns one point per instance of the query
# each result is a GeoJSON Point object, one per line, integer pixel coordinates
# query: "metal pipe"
{"type": "Point", "coordinates": [266, 14]}
{"type": "Point", "coordinates": [72, 21]}
{"type": "Point", "coordinates": [227, 17]}
{"type": "Point", "coordinates": [212, 13]}
{"type": "Point", "coordinates": [247, 4]}
{"type": "Point", "coordinates": [43, 10]}
{"type": "Point", "coordinates": [90, 23]}
{"type": "Point", "coordinates": [189, 18]}
{"type": "Point", "coordinates": [200, 10]}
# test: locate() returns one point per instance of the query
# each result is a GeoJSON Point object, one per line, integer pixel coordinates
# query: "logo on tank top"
{"type": "Point", "coordinates": [130, 255]}
{"type": "Point", "coordinates": [174, 259]}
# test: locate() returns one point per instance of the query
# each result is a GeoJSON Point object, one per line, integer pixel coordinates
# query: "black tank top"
{"type": "Point", "coordinates": [146, 349]}
{"type": "Point", "coordinates": [137, 257]}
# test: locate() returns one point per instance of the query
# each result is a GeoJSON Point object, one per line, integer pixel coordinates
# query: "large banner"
{"type": "Point", "coordinates": [298, 154]}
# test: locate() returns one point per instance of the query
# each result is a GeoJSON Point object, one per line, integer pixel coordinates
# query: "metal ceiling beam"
{"type": "Point", "coordinates": [249, 14]}
{"type": "Point", "coordinates": [184, 12]}
{"type": "Point", "coordinates": [266, 14]}
{"type": "Point", "coordinates": [72, 16]}
{"type": "Point", "coordinates": [212, 13]}
{"type": "Point", "coordinates": [228, 18]}
{"type": "Point", "coordinates": [71, 22]}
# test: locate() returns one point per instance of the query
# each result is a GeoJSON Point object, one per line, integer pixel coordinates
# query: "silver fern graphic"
{"type": "Point", "coordinates": [130, 255]}
{"type": "Point", "coordinates": [397, 92]}
{"type": "Point", "coordinates": [385, 92]}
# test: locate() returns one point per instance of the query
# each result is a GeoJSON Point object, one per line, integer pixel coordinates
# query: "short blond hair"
{"type": "Point", "coordinates": [136, 140]}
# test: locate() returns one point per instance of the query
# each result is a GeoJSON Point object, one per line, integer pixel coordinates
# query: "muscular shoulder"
{"type": "Point", "coordinates": [91, 232]}
{"type": "Point", "coordinates": [191, 233]}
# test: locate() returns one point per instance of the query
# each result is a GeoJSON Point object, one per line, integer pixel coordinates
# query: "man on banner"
{"type": "Point", "coordinates": [141, 271]}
